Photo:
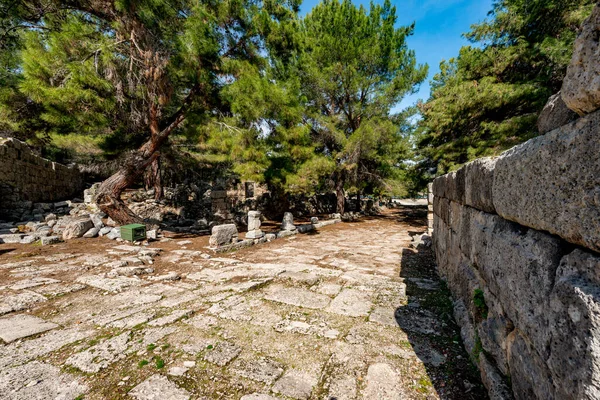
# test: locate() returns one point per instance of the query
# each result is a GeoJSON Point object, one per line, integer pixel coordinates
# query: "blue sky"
{"type": "Point", "coordinates": [438, 30]}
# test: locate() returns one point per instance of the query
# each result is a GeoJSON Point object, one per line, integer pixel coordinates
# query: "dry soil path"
{"type": "Point", "coordinates": [348, 312]}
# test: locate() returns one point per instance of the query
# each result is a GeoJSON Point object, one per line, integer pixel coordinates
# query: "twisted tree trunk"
{"type": "Point", "coordinates": [339, 191]}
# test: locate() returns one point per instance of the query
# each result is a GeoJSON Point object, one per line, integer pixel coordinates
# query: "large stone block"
{"type": "Point", "coordinates": [581, 86]}
{"type": "Point", "coordinates": [451, 186]}
{"type": "Point", "coordinates": [479, 179]}
{"type": "Point", "coordinates": [223, 234]}
{"type": "Point", "coordinates": [555, 114]}
{"type": "Point", "coordinates": [530, 377]}
{"type": "Point", "coordinates": [519, 266]}
{"type": "Point", "coordinates": [552, 182]}
{"type": "Point", "coordinates": [77, 228]}
{"type": "Point", "coordinates": [441, 207]}
{"type": "Point", "coordinates": [575, 326]}
{"type": "Point", "coordinates": [493, 380]}
{"type": "Point", "coordinates": [493, 332]}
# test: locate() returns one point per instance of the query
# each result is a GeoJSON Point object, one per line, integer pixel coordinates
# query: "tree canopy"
{"type": "Point", "coordinates": [488, 98]}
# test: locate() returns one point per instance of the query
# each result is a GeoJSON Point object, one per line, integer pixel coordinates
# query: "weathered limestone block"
{"type": "Point", "coordinates": [288, 222]}
{"type": "Point", "coordinates": [575, 327]}
{"type": "Point", "coordinates": [530, 376]}
{"type": "Point", "coordinates": [77, 228]}
{"type": "Point", "coordinates": [519, 267]}
{"type": "Point", "coordinates": [552, 182]}
{"type": "Point", "coordinates": [223, 234]}
{"type": "Point", "coordinates": [479, 179]}
{"type": "Point", "coordinates": [581, 86]}
{"type": "Point", "coordinates": [254, 231]}
{"type": "Point", "coordinates": [451, 186]}
{"type": "Point", "coordinates": [254, 220]}
{"type": "Point", "coordinates": [467, 330]}
{"type": "Point", "coordinates": [555, 114]}
{"type": "Point", "coordinates": [493, 333]}
{"type": "Point", "coordinates": [493, 380]}
{"type": "Point", "coordinates": [441, 207]}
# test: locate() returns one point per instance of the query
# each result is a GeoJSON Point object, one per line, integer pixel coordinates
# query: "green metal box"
{"type": "Point", "coordinates": [133, 232]}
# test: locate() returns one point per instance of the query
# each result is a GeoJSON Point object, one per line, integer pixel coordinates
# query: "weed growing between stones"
{"type": "Point", "coordinates": [479, 301]}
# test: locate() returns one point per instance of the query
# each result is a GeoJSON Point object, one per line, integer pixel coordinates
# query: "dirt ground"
{"type": "Point", "coordinates": [350, 311]}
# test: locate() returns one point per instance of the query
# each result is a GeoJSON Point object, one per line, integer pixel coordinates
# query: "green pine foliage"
{"type": "Point", "coordinates": [488, 98]}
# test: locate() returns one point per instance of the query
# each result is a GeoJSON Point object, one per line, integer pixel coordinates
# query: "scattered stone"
{"type": "Point", "coordinates": [158, 387]}
{"type": "Point", "coordinates": [105, 230]}
{"type": "Point", "coordinates": [77, 228]}
{"type": "Point", "coordinates": [288, 222]}
{"type": "Point", "coordinates": [152, 234]}
{"type": "Point", "coordinates": [21, 326]}
{"type": "Point", "coordinates": [91, 233]}
{"type": "Point", "coordinates": [177, 371]}
{"type": "Point", "coordinates": [223, 234]}
{"type": "Point", "coordinates": [222, 353]}
{"type": "Point", "coordinates": [50, 240]}
{"type": "Point", "coordinates": [314, 220]}
{"type": "Point", "coordinates": [115, 233]}
{"type": "Point", "coordinates": [28, 240]}
{"type": "Point", "coordinates": [97, 221]}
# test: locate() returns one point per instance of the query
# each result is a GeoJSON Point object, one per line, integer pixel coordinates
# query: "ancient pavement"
{"type": "Point", "coordinates": [348, 312]}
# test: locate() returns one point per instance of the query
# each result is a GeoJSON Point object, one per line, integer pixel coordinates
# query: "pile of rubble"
{"type": "Point", "coordinates": [60, 221]}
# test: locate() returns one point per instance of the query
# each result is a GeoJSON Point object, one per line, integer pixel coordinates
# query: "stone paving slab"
{"type": "Point", "coordinates": [101, 355]}
{"type": "Point", "coordinates": [114, 285]}
{"type": "Point", "coordinates": [38, 381]}
{"type": "Point", "coordinates": [258, 369]}
{"type": "Point", "coordinates": [18, 353]}
{"type": "Point", "coordinates": [19, 301]}
{"type": "Point", "coordinates": [383, 383]}
{"type": "Point", "coordinates": [295, 384]}
{"type": "Point", "coordinates": [158, 387]}
{"type": "Point", "coordinates": [351, 302]}
{"type": "Point", "coordinates": [21, 326]}
{"type": "Point", "coordinates": [222, 353]}
{"type": "Point", "coordinates": [296, 297]}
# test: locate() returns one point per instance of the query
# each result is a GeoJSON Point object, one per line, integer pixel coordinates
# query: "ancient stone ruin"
{"type": "Point", "coordinates": [26, 179]}
{"type": "Point", "coordinates": [517, 238]}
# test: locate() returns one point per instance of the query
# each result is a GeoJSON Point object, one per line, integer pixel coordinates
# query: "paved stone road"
{"type": "Point", "coordinates": [348, 312]}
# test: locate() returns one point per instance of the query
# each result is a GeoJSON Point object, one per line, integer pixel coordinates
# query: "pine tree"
{"type": "Point", "coordinates": [353, 66]}
{"type": "Point", "coordinates": [137, 71]}
{"type": "Point", "coordinates": [489, 97]}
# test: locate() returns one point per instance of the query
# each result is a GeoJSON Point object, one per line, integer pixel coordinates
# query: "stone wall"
{"type": "Point", "coordinates": [26, 178]}
{"type": "Point", "coordinates": [517, 238]}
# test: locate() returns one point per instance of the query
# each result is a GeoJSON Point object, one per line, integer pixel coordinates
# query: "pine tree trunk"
{"type": "Point", "coordinates": [358, 205]}
{"type": "Point", "coordinates": [152, 179]}
{"type": "Point", "coordinates": [339, 191]}
{"type": "Point", "coordinates": [109, 193]}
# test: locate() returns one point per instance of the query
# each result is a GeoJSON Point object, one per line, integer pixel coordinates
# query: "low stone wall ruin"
{"type": "Point", "coordinates": [26, 178]}
{"type": "Point", "coordinates": [517, 238]}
